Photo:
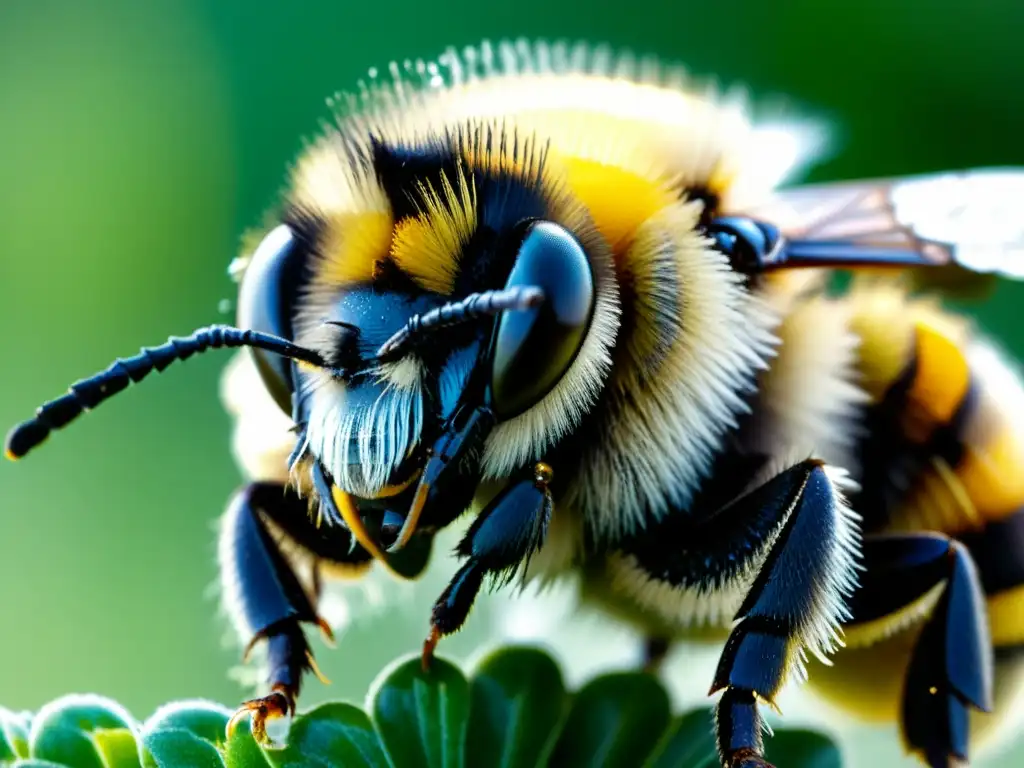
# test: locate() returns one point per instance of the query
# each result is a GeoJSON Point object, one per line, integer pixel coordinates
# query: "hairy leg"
{"type": "Point", "coordinates": [793, 607]}
{"type": "Point", "coordinates": [502, 538]}
{"type": "Point", "coordinates": [263, 593]}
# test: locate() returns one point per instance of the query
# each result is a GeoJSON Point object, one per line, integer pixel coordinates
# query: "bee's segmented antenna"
{"type": "Point", "coordinates": [472, 307]}
{"type": "Point", "coordinates": [86, 394]}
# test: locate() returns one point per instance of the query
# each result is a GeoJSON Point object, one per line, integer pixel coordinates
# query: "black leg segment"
{"type": "Point", "coordinates": [950, 669]}
{"type": "Point", "coordinates": [739, 728]}
{"type": "Point", "coordinates": [502, 538]}
{"type": "Point", "coordinates": [794, 605]}
{"type": "Point", "coordinates": [264, 596]}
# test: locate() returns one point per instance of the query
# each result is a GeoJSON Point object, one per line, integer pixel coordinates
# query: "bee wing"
{"type": "Point", "coordinates": [972, 220]}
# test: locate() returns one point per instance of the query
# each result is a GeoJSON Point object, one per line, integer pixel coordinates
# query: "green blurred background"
{"type": "Point", "coordinates": [138, 140]}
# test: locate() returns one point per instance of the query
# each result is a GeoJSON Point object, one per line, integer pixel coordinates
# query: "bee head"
{"type": "Point", "coordinates": [417, 382]}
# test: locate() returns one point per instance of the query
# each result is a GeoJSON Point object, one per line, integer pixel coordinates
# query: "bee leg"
{"type": "Point", "coordinates": [263, 594]}
{"type": "Point", "coordinates": [503, 537]}
{"type": "Point", "coordinates": [794, 605]}
{"type": "Point", "coordinates": [950, 669]}
{"type": "Point", "coordinates": [655, 651]}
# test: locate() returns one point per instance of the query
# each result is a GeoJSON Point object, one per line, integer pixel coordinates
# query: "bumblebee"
{"type": "Point", "coordinates": [566, 294]}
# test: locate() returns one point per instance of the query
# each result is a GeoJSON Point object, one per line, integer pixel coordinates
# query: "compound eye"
{"type": "Point", "coordinates": [534, 348]}
{"type": "Point", "coordinates": [265, 301]}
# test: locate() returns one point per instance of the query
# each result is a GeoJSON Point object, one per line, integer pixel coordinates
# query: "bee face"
{"type": "Point", "coordinates": [438, 234]}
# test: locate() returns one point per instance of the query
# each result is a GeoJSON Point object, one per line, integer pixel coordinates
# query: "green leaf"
{"type": "Point", "coordinates": [518, 700]}
{"type": "Point", "coordinates": [689, 743]}
{"type": "Point", "coordinates": [206, 720]}
{"type": "Point", "coordinates": [14, 730]}
{"type": "Point", "coordinates": [802, 748]}
{"type": "Point", "coordinates": [193, 728]}
{"type": "Point", "coordinates": [615, 720]}
{"type": "Point", "coordinates": [242, 751]}
{"type": "Point", "coordinates": [178, 748]}
{"type": "Point", "coordinates": [65, 730]}
{"type": "Point", "coordinates": [514, 712]}
{"type": "Point", "coordinates": [117, 747]}
{"type": "Point", "coordinates": [66, 745]}
{"type": "Point", "coordinates": [421, 716]}
{"type": "Point", "coordinates": [330, 735]}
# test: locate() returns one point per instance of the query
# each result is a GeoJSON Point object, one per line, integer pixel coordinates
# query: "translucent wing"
{"type": "Point", "coordinates": [970, 219]}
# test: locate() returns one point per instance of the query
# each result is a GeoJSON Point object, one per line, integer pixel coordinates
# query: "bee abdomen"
{"type": "Point", "coordinates": [943, 449]}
